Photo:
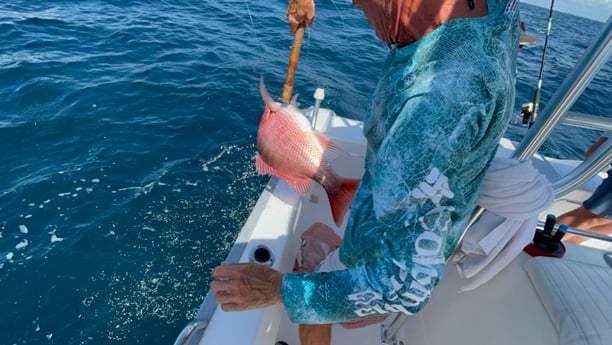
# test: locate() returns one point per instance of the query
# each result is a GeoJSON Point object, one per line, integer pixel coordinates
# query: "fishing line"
{"type": "Point", "coordinates": [338, 11]}
{"type": "Point", "coordinates": [249, 11]}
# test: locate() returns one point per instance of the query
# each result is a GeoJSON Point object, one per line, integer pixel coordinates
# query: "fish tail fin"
{"type": "Point", "coordinates": [342, 199]}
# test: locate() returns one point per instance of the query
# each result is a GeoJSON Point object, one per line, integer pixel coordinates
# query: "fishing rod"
{"type": "Point", "coordinates": [530, 110]}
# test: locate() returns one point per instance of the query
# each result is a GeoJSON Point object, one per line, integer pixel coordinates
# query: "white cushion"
{"type": "Point", "coordinates": [577, 297]}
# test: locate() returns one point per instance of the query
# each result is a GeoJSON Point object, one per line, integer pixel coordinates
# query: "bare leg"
{"type": "Point", "coordinates": [583, 219]}
{"type": "Point", "coordinates": [315, 334]}
{"type": "Point", "coordinates": [603, 228]}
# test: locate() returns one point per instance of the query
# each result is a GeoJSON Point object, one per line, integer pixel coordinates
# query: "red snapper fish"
{"type": "Point", "coordinates": [291, 150]}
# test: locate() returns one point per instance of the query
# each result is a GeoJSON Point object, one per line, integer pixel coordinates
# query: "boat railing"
{"type": "Point", "coordinates": [588, 121]}
{"type": "Point", "coordinates": [556, 112]}
{"type": "Point", "coordinates": [590, 167]}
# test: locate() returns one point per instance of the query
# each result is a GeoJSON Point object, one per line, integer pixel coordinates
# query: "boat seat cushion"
{"type": "Point", "coordinates": [577, 297]}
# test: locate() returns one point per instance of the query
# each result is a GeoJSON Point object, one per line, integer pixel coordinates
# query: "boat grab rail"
{"type": "Point", "coordinates": [595, 56]}
{"type": "Point", "coordinates": [590, 167]}
{"type": "Point", "coordinates": [588, 121]}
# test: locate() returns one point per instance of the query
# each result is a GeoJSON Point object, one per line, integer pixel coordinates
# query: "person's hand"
{"type": "Point", "coordinates": [317, 242]}
{"type": "Point", "coordinates": [300, 11]}
{"type": "Point", "coordinates": [246, 286]}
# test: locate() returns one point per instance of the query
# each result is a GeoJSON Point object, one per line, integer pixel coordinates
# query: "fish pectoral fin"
{"type": "Point", "coordinates": [299, 184]}
{"type": "Point", "coordinates": [262, 167]}
{"type": "Point", "coordinates": [328, 144]}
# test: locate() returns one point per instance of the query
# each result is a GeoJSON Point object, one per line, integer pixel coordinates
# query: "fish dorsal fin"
{"type": "Point", "coordinates": [300, 185]}
{"type": "Point", "coordinates": [266, 96]}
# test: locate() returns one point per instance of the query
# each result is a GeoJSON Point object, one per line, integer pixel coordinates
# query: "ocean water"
{"type": "Point", "coordinates": [127, 133]}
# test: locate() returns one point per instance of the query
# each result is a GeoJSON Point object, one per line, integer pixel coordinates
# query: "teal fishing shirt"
{"type": "Point", "coordinates": [438, 112]}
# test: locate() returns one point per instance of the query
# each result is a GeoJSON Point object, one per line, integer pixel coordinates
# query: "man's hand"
{"type": "Point", "coordinates": [300, 11]}
{"type": "Point", "coordinates": [317, 242]}
{"type": "Point", "coordinates": [246, 286]}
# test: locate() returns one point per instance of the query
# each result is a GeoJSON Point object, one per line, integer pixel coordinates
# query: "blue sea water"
{"type": "Point", "coordinates": [127, 132]}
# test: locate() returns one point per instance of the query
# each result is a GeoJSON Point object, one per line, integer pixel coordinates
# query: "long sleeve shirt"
{"type": "Point", "coordinates": [437, 114]}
